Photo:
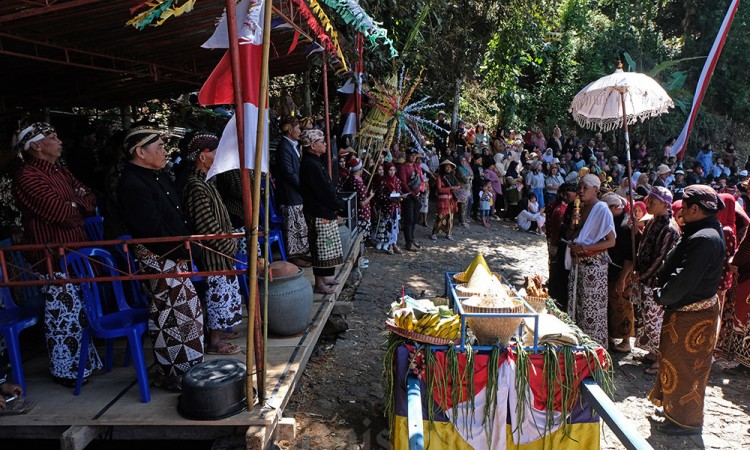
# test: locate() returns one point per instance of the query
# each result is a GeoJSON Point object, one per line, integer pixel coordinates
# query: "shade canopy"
{"type": "Point", "coordinates": [599, 105]}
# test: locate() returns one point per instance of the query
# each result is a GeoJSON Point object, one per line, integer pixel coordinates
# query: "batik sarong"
{"type": "Point", "coordinates": [325, 248]}
{"type": "Point", "coordinates": [223, 302]}
{"type": "Point", "coordinates": [294, 230]}
{"type": "Point", "coordinates": [648, 321]}
{"type": "Point", "coordinates": [587, 296]}
{"type": "Point", "coordinates": [175, 319]}
{"type": "Point", "coordinates": [64, 322]}
{"type": "Point", "coordinates": [387, 229]}
{"type": "Point", "coordinates": [443, 223]}
{"type": "Point", "coordinates": [424, 203]}
{"type": "Point", "coordinates": [619, 315]}
{"type": "Point", "coordinates": [363, 225]}
{"type": "Point", "coordinates": [687, 344]}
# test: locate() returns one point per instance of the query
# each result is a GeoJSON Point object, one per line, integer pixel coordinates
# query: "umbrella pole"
{"type": "Point", "coordinates": [633, 225]}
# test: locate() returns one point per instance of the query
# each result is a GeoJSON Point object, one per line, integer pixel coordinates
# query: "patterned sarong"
{"type": "Point", "coordinates": [386, 231]}
{"type": "Point", "coordinates": [326, 249]}
{"type": "Point", "coordinates": [648, 321]}
{"type": "Point", "coordinates": [687, 344]}
{"type": "Point", "coordinates": [619, 315]}
{"type": "Point", "coordinates": [443, 223]}
{"type": "Point", "coordinates": [223, 302]}
{"type": "Point", "coordinates": [588, 307]}
{"type": "Point", "coordinates": [64, 322]}
{"type": "Point", "coordinates": [175, 319]}
{"type": "Point", "coordinates": [295, 231]}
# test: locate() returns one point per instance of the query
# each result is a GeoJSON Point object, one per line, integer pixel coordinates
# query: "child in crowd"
{"type": "Point", "coordinates": [485, 202]}
{"type": "Point", "coordinates": [532, 219]}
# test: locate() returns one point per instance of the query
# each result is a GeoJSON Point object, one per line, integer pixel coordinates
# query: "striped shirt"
{"type": "Point", "coordinates": [208, 215]}
{"type": "Point", "coordinates": [45, 194]}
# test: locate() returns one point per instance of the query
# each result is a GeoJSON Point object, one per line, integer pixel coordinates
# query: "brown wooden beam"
{"type": "Point", "coordinates": [45, 9]}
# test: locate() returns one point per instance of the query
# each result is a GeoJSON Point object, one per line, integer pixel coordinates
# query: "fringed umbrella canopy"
{"type": "Point", "coordinates": [599, 105]}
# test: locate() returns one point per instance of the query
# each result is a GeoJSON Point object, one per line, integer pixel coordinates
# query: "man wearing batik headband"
{"type": "Point", "coordinates": [659, 236]}
{"type": "Point", "coordinates": [53, 204]}
{"type": "Point", "coordinates": [286, 172]}
{"type": "Point", "coordinates": [208, 215]}
{"type": "Point", "coordinates": [150, 207]}
{"type": "Point", "coordinates": [687, 285]}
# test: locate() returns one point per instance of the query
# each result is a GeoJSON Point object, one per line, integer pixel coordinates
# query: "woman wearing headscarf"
{"type": "Point", "coordinates": [388, 196]}
{"type": "Point", "coordinates": [53, 204]}
{"type": "Point", "coordinates": [208, 215]}
{"type": "Point", "coordinates": [659, 236]}
{"type": "Point", "coordinates": [447, 184]}
{"type": "Point", "coordinates": [592, 233]}
{"type": "Point", "coordinates": [321, 207]}
{"type": "Point", "coordinates": [150, 207]}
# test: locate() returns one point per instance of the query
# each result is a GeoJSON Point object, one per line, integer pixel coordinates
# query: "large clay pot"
{"type": "Point", "coordinates": [346, 239]}
{"type": "Point", "coordinates": [290, 302]}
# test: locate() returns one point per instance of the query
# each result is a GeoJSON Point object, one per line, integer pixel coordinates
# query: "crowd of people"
{"type": "Point", "coordinates": [681, 294]}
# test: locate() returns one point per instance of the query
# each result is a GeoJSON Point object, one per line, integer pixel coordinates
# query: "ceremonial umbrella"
{"type": "Point", "coordinates": [619, 100]}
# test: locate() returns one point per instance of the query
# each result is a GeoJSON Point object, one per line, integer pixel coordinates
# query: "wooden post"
{"type": "Point", "coordinates": [327, 116]}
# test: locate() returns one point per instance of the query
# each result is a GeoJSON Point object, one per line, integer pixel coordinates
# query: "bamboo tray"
{"type": "Point", "coordinates": [414, 336]}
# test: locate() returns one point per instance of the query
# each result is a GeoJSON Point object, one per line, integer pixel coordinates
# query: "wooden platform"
{"type": "Point", "coordinates": [110, 403]}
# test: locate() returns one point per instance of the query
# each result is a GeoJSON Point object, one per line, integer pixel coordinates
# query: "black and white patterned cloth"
{"type": "Point", "coordinates": [326, 249]}
{"type": "Point", "coordinates": [223, 302]}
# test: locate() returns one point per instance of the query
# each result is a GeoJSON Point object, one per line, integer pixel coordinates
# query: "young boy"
{"type": "Point", "coordinates": [485, 202]}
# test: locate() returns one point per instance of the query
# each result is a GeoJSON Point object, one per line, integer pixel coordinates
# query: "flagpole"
{"type": "Point", "coordinates": [633, 225]}
{"type": "Point", "coordinates": [359, 68]}
{"type": "Point", "coordinates": [239, 114]}
{"type": "Point", "coordinates": [259, 150]}
{"type": "Point", "coordinates": [328, 118]}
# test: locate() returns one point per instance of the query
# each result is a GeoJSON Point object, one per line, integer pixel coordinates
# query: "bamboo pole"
{"type": "Point", "coordinates": [234, 54]}
{"type": "Point", "coordinates": [328, 118]}
{"type": "Point", "coordinates": [252, 255]}
{"type": "Point", "coordinates": [633, 225]}
{"type": "Point", "coordinates": [266, 268]}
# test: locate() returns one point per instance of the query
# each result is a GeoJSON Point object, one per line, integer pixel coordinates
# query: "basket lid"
{"type": "Point", "coordinates": [478, 261]}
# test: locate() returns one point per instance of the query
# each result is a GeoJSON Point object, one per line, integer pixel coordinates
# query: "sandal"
{"type": "Point", "coordinates": [230, 335]}
{"type": "Point", "coordinates": [223, 348]}
{"type": "Point", "coordinates": [621, 348]}
{"type": "Point", "coordinates": [449, 237]}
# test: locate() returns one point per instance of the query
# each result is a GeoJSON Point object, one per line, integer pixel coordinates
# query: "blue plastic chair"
{"type": "Point", "coordinates": [13, 320]}
{"type": "Point", "coordinates": [94, 227]}
{"type": "Point", "coordinates": [125, 322]}
{"type": "Point", "coordinates": [31, 295]}
{"type": "Point", "coordinates": [139, 297]}
{"type": "Point", "coordinates": [274, 236]}
{"type": "Point", "coordinates": [241, 264]}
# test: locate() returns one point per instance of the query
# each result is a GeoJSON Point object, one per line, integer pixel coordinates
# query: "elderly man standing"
{"type": "Point", "coordinates": [288, 192]}
{"type": "Point", "coordinates": [150, 207]}
{"type": "Point", "coordinates": [689, 280]}
{"type": "Point", "coordinates": [208, 215]}
{"type": "Point", "coordinates": [53, 203]}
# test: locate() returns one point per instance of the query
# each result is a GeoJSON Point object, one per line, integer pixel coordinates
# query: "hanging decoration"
{"type": "Point", "coordinates": [328, 27]}
{"type": "Point", "coordinates": [351, 13]}
{"type": "Point", "coordinates": [393, 115]}
{"type": "Point", "coordinates": [158, 11]}
{"type": "Point", "coordinates": [322, 32]}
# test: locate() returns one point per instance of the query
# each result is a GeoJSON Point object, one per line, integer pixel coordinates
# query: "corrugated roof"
{"type": "Point", "coordinates": [80, 53]}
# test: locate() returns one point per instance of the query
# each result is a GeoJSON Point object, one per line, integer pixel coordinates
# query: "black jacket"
{"type": "Point", "coordinates": [318, 195]}
{"type": "Point", "coordinates": [692, 270]}
{"type": "Point", "coordinates": [150, 207]}
{"type": "Point", "coordinates": [287, 174]}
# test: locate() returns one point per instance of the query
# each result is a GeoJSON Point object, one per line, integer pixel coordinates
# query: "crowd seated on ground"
{"type": "Point", "coordinates": [577, 192]}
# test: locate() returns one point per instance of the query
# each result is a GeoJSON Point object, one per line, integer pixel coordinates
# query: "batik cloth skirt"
{"type": "Point", "coordinates": [64, 322]}
{"type": "Point", "coordinates": [587, 296]}
{"type": "Point", "coordinates": [223, 302]}
{"type": "Point", "coordinates": [325, 239]}
{"type": "Point", "coordinates": [175, 316]}
{"type": "Point", "coordinates": [387, 229]}
{"type": "Point", "coordinates": [648, 319]}
{"type": "Point", "coordinates": [619, 314]}
{"type": "Point", "coordinates": [443, 223]}
{"type": "Point", "coordinates": [364, 226]}
{"type": "Point", "coordinates": [295, 232]}
{"type": "Point", "coordinates": [735, 329]}
{"type": "Point", "coordinates": [424, 203]}
{"type": "Point", "coordinates": [687, 343]}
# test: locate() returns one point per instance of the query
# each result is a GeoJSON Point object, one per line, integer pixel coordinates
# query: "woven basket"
{"type": "Point", "coordinates": [414, 336]}
{"type": "Point", "coordinates": [488, 330]}
{"type": "Point", "coordinates": [461, 277]}
{"type": "Point", "coordinates": [538, 304]}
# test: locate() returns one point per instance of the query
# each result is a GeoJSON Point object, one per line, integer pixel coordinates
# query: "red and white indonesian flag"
{"type": "Point", "coordinates": [218, 89]}
{"type": "Point", "coordinates": [349, 115]}
{"type": "Point", "coordinates": [678, 149]}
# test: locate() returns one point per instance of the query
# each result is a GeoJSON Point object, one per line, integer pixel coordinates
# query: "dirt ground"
{"type": "Point", "coordinates": [339, 401]}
